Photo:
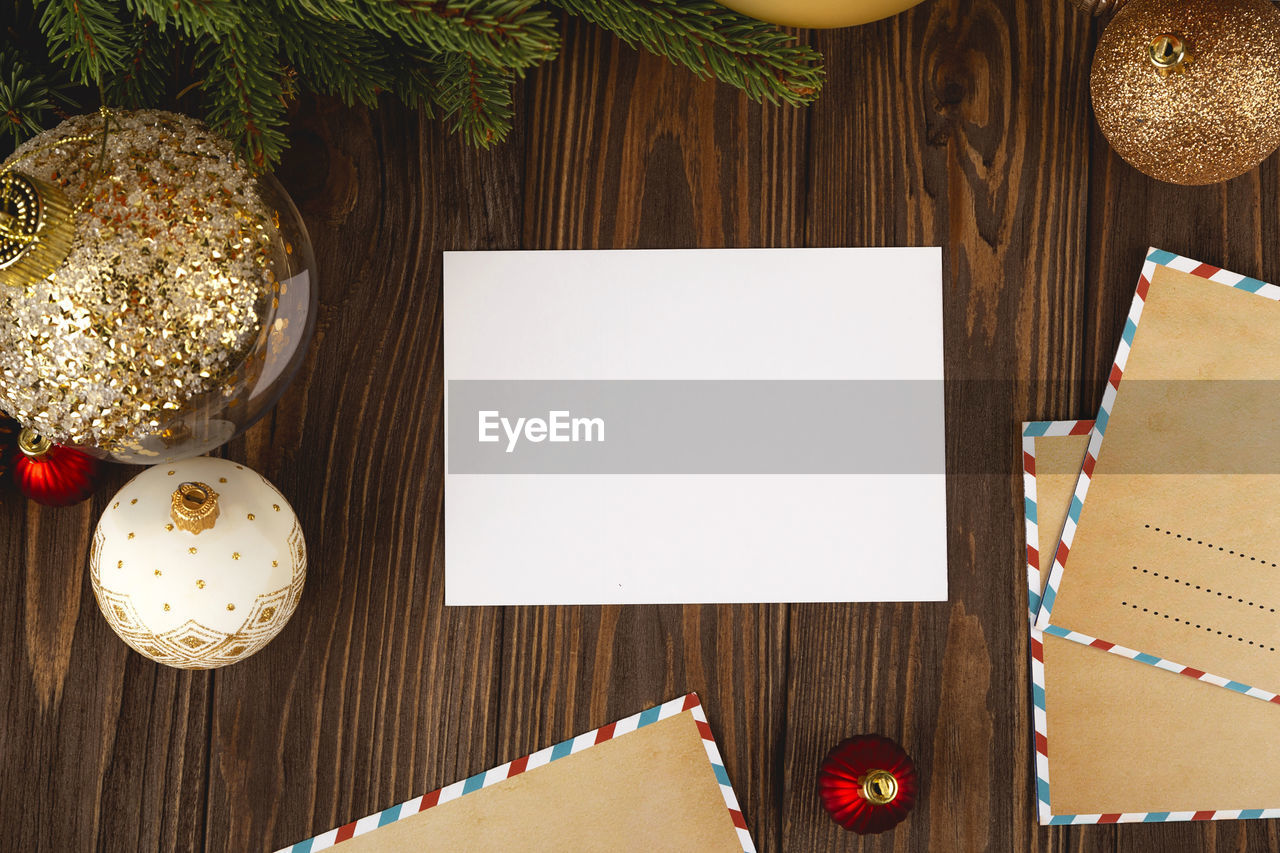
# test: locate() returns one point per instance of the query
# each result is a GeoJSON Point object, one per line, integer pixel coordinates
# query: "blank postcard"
{"type": "Point", "coordinates": [694, 426]}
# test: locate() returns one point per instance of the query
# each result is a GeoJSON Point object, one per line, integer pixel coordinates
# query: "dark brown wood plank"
{"type": "Point", "coordinates": [626, 151]}
{"type": "Point", "coordinates": [958, 129]}
{"type": "Point", "coordinates": [101, 747]}
{"type": "Point", "coordinates": [961, 124]}
{"type": "Point", "coordinates": [375, 692]}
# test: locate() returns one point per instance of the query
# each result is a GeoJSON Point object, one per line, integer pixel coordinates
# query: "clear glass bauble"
{"type": "Point", "coordinates": [258, 382]}
{"type": "Point", "coordinates": [156, 297]}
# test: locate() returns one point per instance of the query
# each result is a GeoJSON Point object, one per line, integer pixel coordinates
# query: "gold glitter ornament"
{"type": "Point", "coordinates": [1189, 93]}
{"type": "Point", "coordinates": [180, 306]}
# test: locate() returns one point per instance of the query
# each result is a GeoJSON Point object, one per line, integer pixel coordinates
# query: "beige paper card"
{"type": "Point", "coordinates": [1120, 740]}
{"type": "Point", "coordinates": [1174, 557]}
{"type": "Point", "coordinates": [651, 782]}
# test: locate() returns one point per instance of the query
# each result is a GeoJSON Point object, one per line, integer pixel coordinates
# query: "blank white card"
{"type": "Point", "coordinates": [694, 426]}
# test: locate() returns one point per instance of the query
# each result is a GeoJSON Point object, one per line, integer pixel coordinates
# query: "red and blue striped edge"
{"type": "Point", "coordinates": [1155, 258]}
{"type": "Point", "coordinates": [1030, 432]}
{"type": "Point", "coordinates": [688, 702]}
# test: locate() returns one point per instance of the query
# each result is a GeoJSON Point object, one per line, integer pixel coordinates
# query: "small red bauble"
{"type": "Point", "coordinates": [867, 784]}
{"type": "Point", "coordinates": [51, 474]}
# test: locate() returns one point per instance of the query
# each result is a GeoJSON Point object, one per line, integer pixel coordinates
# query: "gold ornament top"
{"type": "Point", "coordinates": [36, 224]}
{"type": "Point", "coordinates": [194, 507]}
{"type": "Point", "coordinates": [879, 787]}
{"type": "Point", "coordinates": [161, 295]}
{"type": "Point", "coordinates": [37, 221]}
{"type": "Point", "coordinates": [1169, 54]}
{"type": "Point", "coordinates": [32, 444]}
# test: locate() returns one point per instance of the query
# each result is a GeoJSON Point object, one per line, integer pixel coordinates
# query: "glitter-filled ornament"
{"type": "Point", "coordinates": [1189, 93]}
{"type": "Point", "coordinates": [198, 564]}
{"type": "Point", "coordinates": [867, 784]}
{"type": "Point", "coordinates": [51, 474]}
{"type": "Point", "coordinates": [156, 296]}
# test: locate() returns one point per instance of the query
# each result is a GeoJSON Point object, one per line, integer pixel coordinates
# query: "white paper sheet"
{"type": "Point", "coordinates": [758, 425]}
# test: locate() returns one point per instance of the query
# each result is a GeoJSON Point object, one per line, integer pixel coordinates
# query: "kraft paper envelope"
{"type": "Point", "coordinates": [1129, 742]}
{"type": "Point", "coordinates": [654, 781]}
{"type": "Point", "coordinates": [1170, 553]}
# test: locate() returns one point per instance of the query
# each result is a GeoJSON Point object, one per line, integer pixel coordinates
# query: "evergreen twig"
{"type": "Point", "coordinates": [26, 96]}
{"type": "Point", "coordinates": [192, 17]}
{"type": "Point", "coordinates": [336, 57]}
{"type": "Point", "coordinates": [475, 98]}
{"type": "Point", "coordinates": [146, 71]}
{"type": "Point", "coordinates": [514, 34]}
{"type": "Point", "coordinates": [711, 40]}
{"type": "Point", "coordinates": [86, 36]}
{"type": "Point", "coordinates": [458, 58]}
{"type": "Point", "coordinates": [245, 88]}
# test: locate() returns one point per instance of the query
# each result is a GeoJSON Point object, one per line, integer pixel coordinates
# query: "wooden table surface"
{"type": "Point", "coordinates": [960, 124]}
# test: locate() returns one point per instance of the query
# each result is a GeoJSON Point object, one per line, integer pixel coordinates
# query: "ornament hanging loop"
{"type": "Point", "coordinates": [1169, 54]}
{"type": "Point", "coordinates": [194, 507]}
{"type": "Point", "coordinates": [32, 444]}
{"type": "Point", "coordinates": [879, 787]}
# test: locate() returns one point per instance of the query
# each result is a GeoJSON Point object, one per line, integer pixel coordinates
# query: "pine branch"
{"type": "Point", "coordinates": [516, 34]}
{"type": "Point", "coordinates": [711, 40]}
{"type": "Point", "coordinates": [476, 98]}
{"type": "Point", "coordinates": [246, 89]}
{"type": "Point", "coordinates": [86, 36]}
{"type": "Point", "coordinates": [335, 57]}
{"type": "Point", "coordinates": [456, 57]}
{"type": "Point", "coordinates": [414, 79]}
{"type": "Point", "coordinates": [192, 17]}
{"type": "Point", "coordinates": [26, 98]}
{"type": "Point", "coordinates": [146, 68]}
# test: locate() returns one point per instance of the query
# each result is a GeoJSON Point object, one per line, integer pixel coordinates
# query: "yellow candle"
{"type": "Point", "coordinates": [819, 13]}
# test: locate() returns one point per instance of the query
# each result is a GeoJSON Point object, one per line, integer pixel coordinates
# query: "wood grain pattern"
{"type": "Point", "coordinates": [963, 123]}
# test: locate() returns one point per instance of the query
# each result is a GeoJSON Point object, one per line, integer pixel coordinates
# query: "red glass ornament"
{"type": "Point", "coordinates": [867, 784]}
{"type": "Point", "coordinates": [51, 474]}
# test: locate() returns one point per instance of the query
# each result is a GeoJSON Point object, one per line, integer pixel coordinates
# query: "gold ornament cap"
{"type": "Point", "coordinates": [33, 444]}
{"type": "Point", "coordinates": [37, 226]}
{"type": "Point", "coordinates": [879, 787]}
{"type": "Point", "coordinates": [194, 507]}
{"type": "Point", "coordinates": [1169, 54]}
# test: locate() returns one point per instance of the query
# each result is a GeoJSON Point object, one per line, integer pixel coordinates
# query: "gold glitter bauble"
{"type": "Point", "coordinates": [170, 304]}
{"type": "Point", "coordinates": [1189, 93]}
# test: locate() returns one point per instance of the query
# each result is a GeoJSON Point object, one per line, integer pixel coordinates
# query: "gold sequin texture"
{"type": "Point", "coordinates": [163, 292]}
{"type": "Point", "coordinates": [1215, 118]}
